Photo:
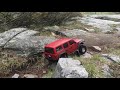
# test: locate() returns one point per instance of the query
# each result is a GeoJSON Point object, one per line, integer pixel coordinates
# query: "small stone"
{"type": "Point", "coordinates": [44, 72]}
{"type": "Point", "coordinates": [96, 48]}
{"type": "Point", "coordinates": [30, 76]}
{"type": "Point", "coordinates": [87, 55]}
{"type": "Point", "coordinates": [15, 76]}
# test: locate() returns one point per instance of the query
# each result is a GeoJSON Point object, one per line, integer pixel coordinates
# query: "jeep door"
{"type": "Point", "coordinates": [72, 47]}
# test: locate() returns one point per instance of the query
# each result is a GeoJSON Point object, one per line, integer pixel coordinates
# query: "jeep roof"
{"type": "Point", "coordinates": [58, 42]}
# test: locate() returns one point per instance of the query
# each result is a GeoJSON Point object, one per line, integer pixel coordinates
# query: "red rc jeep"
{"type": "Point", "coordinates": [63, 47]}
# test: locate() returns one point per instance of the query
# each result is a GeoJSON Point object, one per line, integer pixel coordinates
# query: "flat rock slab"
{"type": "Point", "coordinates": [73, 32]}
{"type": "Point", "coordinates": [24, 41]}
{"type": "Point", "coordinates": [69, 68]}
{"type": "Point", "coordinates": [30, 76]}
{"type": "Point", "coordinates": [30, 45]}
{"type": "Point", "coordinates": [112, 57]}
{"type": "Point", "coordinates": [16, 76]}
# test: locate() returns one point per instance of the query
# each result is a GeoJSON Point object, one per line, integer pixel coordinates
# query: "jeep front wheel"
{"type": "Point", "coordinates": [82, 49]}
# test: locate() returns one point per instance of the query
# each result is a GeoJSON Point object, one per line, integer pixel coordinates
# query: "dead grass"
{"type": "Point", "coordinates": [8, 64]}
{"type": "Point", "coordinates": [112, 48]}
{"type": "Point", "coordinates": [116, 69]}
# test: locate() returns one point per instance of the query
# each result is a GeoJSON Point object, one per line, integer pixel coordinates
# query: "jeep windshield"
{"type": "Point", "coordinates": [49, 50]}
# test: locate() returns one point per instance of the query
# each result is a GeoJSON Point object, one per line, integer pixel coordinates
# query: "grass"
{"type": "Point", "coordinates": [115, 50]}
{"type": "Point", "coordinates": [8, 65]}
{"type": "Point", "coordinates": [49, 74]}
{"type": "Point", "coordinates": [93, 65]}
{"type": "Point", "coordinates": [116, 69]}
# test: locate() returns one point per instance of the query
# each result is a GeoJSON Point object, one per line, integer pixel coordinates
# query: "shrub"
{"type": "Point", "coordinates": [33, 19]}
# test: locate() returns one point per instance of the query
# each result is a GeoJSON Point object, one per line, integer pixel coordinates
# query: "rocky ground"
{"type": "Point", "coordinates": [100, 32]}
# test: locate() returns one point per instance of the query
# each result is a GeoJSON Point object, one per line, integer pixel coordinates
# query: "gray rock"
{"type": "Point", "coordinates": [112, 57]}
{"type": "Point", "coordinates": [15, 76]}
{"type": "Point", "coordinates": [69, 68]}
{"type": "Point", "coordinates": [30, 76]}
{"type": "Point", "coordinates": [108, 17]}
{"type": "Point", "coordinates": [96, 48]}
{"type": "Point", "coordinates": [52, 28]}
{"type": "Point", "coordinates": [118, 28]}
{"type": "Point", "coordinates": [74, 32]}
{"type": "Point", "coordinates": [107, 71]}
{"type": "Point", "coordinates": [25, 41]}
{"type": "Point", "coordinates": [19, 33]}
{"type": "Point", "coordinates": [30, 45]}
{"type": "Point", "coordinates": [102, 25]}
{"type": "Point", "coordinates": [5, 36]}
{"type": "Point", "coordinates": [74, 72]}
{"type": "Point", "coordinates": [89, 30]}
{"type": "Point", "coordinates": [87, 55]}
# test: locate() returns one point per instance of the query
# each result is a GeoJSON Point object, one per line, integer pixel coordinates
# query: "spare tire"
{"type": "Point", "coordinates": [82, 49]}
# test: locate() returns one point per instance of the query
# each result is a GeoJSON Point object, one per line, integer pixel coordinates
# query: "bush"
{"type": "Point", "coordinates": [32, 19]}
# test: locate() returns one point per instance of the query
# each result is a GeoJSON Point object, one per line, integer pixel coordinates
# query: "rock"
{"type": "Point", "coordinates": [44, 72]}
{"type": "Point", "coordinates": [74, 32]}
{"type": "Point", "coordinates": [5, 36]}
{"type": "Point", "coordinates": [89, 30]}
{"type": "Point", "coordinates": [30, 76]}
{"type": "Point", "coordinates": [112, 57]}
{"type": "Point", "coordinates": [106, 71]}
{"type": "Point", "coordinates": [69, 68]}
{"type": "Point", "coordinates": [96, 48]}
{"type": "Point", "coordinates": [118, 29]}
{"type": "Point", "coordinates": [30, 45]}
{"type": "Point", "coordinates": [53, 34]}
{"type": "Point", "coordinates": [107, 17]}
{"type": "Point", "coordinates": [103, 25]}
{"type": "Point", "coordinates": [52, 28]}
{"type": "Point", "coordinates": [87, 55]}
{"type": "Point", "coordinates": [15, 76]}
{"type": "Point", "coordinates": [15, 34]}
{"type": "Point", "coordinates": [24, 41]}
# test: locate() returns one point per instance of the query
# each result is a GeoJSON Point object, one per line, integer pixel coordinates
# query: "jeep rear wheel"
{"type": "Point", "coordinates": [82, 49]}
{"type": "Point", "coordinates": [77, 53]}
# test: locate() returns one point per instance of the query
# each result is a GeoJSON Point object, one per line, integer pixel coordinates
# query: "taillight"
{"type": "Point", "coordinates": [49, 55]}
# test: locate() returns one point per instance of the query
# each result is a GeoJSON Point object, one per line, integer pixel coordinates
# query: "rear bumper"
{"type": "Point", "coordinates": [50, 59]}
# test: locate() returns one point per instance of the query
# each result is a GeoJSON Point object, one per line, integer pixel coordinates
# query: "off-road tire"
{"type": "Point", "coordinates": [77, 53]}
{"type": "Point", "coordinates": [82, 49]}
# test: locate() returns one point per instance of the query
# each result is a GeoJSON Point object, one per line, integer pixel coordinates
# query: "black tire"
{"type": "Point", "coordinates": [77, 53]}
{"type": "Point", "coordinates": [82, 49]}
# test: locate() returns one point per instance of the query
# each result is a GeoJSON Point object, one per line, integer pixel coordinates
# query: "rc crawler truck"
{"type": "Point", "coordinates": [64, 47]}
